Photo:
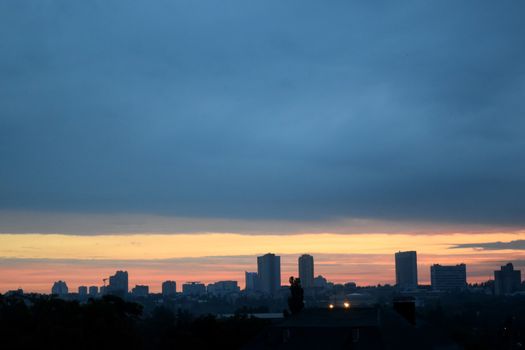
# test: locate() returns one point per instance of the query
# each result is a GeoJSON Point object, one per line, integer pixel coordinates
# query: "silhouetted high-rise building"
{"type": "Point", "coordinates": [82, 291]}
{"type": "Point", "coordinates": [306, 270]}
{"type": "Point", "coordinates": [448, 278]}
{"type": "Point", "coordinates": [406, 270]}
{"type": "Point", "coordinates": [252, 281]}
{"type": "Point", "coordinates": [507, 280]}
{"type": "Point", "coordinates": [193, 289]}
{"type": "Point", "coordinates": [140, 291]}
{"type": "Point", "coordinates": [269, 272]}
{"type": "Point", "coordinates": [118, 283]}
{"type": "Point", "coordinates": [169, 288]}
{"type": "Point", "coordinates": [59, 288]}
{"type": "Point", "coordinates": [93, 291]}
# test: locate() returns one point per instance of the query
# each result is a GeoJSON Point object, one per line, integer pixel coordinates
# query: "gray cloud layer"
{"type": "Point", "coordinates": [513, 245]}
{"type": "Point", "coordinates": [295, 111]}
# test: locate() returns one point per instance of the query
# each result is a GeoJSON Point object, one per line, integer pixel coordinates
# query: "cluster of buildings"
{"type": "Point", "coordinates": [442, 278]}
{"type": "Point", "coordinates": [451, 277]}
{"type": "Point", "coordinates": [119, 285]}
{"type": "Point", "coordinates": [267, 279]}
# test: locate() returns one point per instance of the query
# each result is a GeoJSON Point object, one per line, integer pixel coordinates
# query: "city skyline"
{"type": "Point", "coordinates": [180, 139]}
{"type": "Point", "coordinates": [371, 263]}
{"type": "Point", "coordinates": [442, 277]}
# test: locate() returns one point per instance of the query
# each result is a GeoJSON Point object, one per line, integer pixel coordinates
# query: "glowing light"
{"type": "Point", "coordinates": [346, 304]}
{"type": "Point", "coordinates": [331, 306]}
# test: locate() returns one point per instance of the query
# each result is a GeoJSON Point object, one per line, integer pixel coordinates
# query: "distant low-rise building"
{"type": "Point", "coordinates": [251, 281]}
{"type": "Point", "coordinates": [17, 292]}
{"type": "Point", "coordinates": [448, 278]}
{"type": "Point", "coordinates": [93, 291]}
{"type": "Point", "coordinates": [169, 288]}
{"type": "Point", "coordinates": [320, 282]}
{"type": "Point", "coordinates": [223, 288]}
{"type": "Point", "coordinates": [82, 291]}
{"type": "Point", "coordinates": [118, 284]}
{"type": "Point", "coordinates": [350, 286]}
{"type": "Point", "coordinates": [507, 280]}
{"type": "Point", "coordinates": [193, 289]}
{"type": "Point", "coordinates": [140, 291]}
{"type": "Point", "coordinates": [59, 288]}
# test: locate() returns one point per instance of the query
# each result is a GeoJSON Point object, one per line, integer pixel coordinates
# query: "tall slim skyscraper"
{"type": "Point", "coordinates": [269, 272]}
{"type": "Point", "coordinates": [118, 283]}
{"type": "Point", "coordinates": [306, 270]}
{"type": "Point", "coordinates": [406, 270]}
{"type": "Point", "coordinates": [448, 278]}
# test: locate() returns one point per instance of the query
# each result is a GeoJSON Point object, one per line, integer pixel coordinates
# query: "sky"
{"type": "Point", "coordinates": [180, 139]}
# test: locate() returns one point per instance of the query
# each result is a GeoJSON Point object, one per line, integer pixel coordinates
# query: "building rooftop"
{"type": "Point", "coordinates": [330, 318]}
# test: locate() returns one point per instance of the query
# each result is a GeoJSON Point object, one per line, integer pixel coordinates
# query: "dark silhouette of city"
{"type": "Point", "coordinates": [449, 313]}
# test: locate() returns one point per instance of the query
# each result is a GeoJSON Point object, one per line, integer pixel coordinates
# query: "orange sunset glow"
{"type": "Point", "coordinates": [36, 260]}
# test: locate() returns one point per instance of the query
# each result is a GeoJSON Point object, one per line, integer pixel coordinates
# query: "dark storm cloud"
{"type": "Point", "coordinates": [295, 111]}
{"type": "Point", "coordinates": [514, 245]}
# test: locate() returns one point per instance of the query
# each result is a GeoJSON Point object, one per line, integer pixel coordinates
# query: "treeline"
{"type": "Point", "coordinates": [110, 322]}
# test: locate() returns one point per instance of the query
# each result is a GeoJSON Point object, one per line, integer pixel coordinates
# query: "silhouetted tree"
{"type": "Point", "coordinates": [296, 298]}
